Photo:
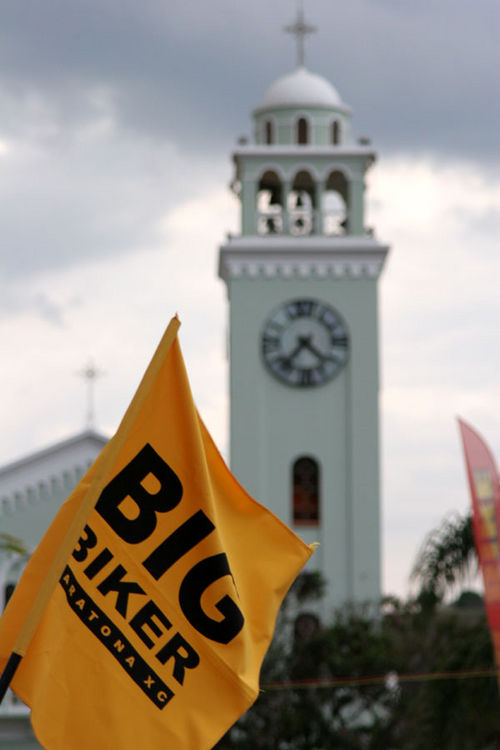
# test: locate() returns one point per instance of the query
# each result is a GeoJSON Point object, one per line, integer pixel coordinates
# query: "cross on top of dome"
{"type": "Point", "coordinates": [300, 29]}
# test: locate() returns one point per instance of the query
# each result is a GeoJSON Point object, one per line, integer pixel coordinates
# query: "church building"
{"type": "Point", "coordinates": [31, 492]}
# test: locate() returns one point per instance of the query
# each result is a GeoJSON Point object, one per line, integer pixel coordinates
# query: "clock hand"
{"type": "Point", "coordinates": [307, 343]}
{"type": "Point", "coordinates": [288, 359]}
{"type": "Point", "coordinates": [322, 357]}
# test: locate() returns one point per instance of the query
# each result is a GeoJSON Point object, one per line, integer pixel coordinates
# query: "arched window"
{"type": "Point", "coordinates": [335, 132]}
{"type": "Point", "coordinates": [335, 204]}
{"type": "Point", "coordinates": [306, 491]}
{"type": "Point", "coordinates": [268, 132]}
{"type": "Point", "coordinates": [302, 130]}
{"type": "Point", "coordinates": [269, 204]}
{"type": "Point", "coordinates": [301, 204]}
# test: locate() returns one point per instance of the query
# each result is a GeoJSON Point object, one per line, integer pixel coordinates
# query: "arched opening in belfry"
{"type": "Point", "coordinates": [268, 132]}
{"type": "Point", "coordinates": [270, 204]}
{"type": "Point", "coordinates": [336, 133]}
{"type": "Point", "coordinates": [302, 131]}
{"type": "Point", "coordinates": [306, 491]}
{"type": "Point", "coordinates": [301, 204]}
{"type": "Point", "coordinates": [335, 204]}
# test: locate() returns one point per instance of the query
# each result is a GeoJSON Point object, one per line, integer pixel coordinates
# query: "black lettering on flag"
{"type": "Point", "coordinates": [183, 654]}
{"type": "Point", "coordinates": [123, 588]}
{"type": "Point", "coordinates": [175, 546]}
{"type": "Point", "coordinates": [129, 483]}
{"type": "Point", "coordinates": [95, 567]}
{"type": "Point", "coordinates": [84, 544]}
{"type": "Point", "coordinates": [114, 641]}
{"type": "Point", "coordinates": [195, 583]}
{"type": "Point", "coordinates": [149, 615]}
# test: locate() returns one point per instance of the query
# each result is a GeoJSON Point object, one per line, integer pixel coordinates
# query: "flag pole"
{"type": "Point", "coordinates": [109, 456]}
{"type": "Point", "coordinates": [8, 673]}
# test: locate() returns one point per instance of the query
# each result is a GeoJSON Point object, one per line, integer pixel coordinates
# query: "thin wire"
{"type": "Point", "coordinates": [391, 678]}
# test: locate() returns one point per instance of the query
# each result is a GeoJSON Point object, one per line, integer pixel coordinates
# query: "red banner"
{"type": "Point", "coordinates": [485, 493]}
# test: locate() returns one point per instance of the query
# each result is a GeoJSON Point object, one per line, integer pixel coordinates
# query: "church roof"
{"type": "Point", "coordinates": [87, 438]}
{"type": "Point", "coordinates": [301, 89]}
{"type": "Point", "coordinates": [33, 488]}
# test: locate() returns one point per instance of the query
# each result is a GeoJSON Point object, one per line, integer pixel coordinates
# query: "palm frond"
{"type": "Point", "coordinates": [447, 556]}
{"type": "Point", "coordinates": [9, 543]}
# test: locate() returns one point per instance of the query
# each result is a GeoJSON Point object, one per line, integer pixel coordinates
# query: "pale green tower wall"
{"type": "Point", "coordinates": [284, 121]}
{"type": "Point", "coordinates": [336, 423]}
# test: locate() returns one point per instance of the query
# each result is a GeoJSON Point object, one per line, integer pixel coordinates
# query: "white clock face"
{"type": "Point", "coordinates": [304, 343]}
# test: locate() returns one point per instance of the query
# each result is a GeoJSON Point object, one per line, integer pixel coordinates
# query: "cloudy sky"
{"type": "Point", "coordinates": [117, 119]}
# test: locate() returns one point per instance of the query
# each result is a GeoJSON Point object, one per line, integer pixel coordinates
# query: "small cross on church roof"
{"type": "Point", "coordinates": [300, 28]}
{"type": "Point", "coordinates": [90, 373]}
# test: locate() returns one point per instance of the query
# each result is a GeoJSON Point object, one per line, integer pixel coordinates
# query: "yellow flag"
{"type": "Point", "coordinates": [172, 577]}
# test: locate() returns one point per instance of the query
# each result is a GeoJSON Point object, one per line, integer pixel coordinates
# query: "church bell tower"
{"type": "Point", "coordinates": [303, 328]}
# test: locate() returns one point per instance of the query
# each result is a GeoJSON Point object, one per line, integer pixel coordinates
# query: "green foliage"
{"type": "Point", "coordinates": [302, 717]}
{"type": "Point", "coordinates": [452, 707]}
{"type": "Point", "coordinates": [10, 543]}
{"type": "Point", "coordinates": [446, 557]}
{"type": "Point", "coordinates": [417, 675]}
{"type": "Point", "coordinates": [418, 701]}
{"type": "Point", "coordinates": [308, 587]}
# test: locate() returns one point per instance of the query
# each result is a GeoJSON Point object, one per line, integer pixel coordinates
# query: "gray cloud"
{"type": "Point", "coordinates": [419, 76]}
{"type": "Point", "coordinates": [37, 304]}
{"type": "Point", "coordinates": [116, 111]}
{"type": "Point", "coordinates": [84, 189]}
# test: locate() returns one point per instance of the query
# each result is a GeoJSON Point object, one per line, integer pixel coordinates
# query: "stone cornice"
{"type": "Point", "coordinates": [56, 487]}
{"type": "Point", "coordinates": [289, 257]}
{"type": "Point", "coordinates": [333, 152]}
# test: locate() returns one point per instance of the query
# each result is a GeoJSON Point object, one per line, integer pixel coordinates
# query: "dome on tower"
{"type": "Point", "coordinates": [301, 89]}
